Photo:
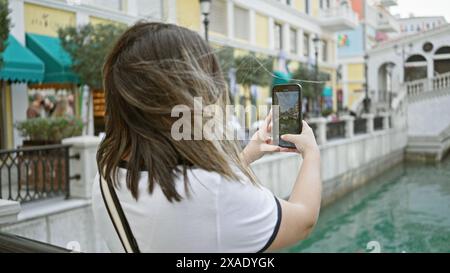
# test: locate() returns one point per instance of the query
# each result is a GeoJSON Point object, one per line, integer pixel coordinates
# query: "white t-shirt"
{"type": "Point", "coordinates": [219, 216]}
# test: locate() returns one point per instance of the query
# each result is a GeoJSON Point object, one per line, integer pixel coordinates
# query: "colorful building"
{"type": "Point", "coordinates": [270, 28]}
{"type": "Point", "coordinates": [377, 24]}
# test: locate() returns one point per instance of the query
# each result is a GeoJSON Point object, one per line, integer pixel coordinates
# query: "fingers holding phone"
{"type": "Point", "coordinates": [305, 143]}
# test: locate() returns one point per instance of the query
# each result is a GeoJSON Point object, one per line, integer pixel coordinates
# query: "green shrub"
{"type": "Point", "coordinates": [50, 129]}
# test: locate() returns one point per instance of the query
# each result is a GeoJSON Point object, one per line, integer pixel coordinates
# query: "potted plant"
{"type": "Point", "coordinates": [44, 170]}
{"type": "Point", "coordinates": [47, 131]}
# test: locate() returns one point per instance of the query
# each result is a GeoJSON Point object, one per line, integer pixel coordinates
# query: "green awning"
{"type": "Point", "coordinates": [281, 77]}
{"type": "Point", "coordinates": [20, 64]}
{"type": "Point", "coordinates": [57, 61]}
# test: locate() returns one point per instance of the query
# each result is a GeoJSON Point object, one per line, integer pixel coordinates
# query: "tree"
{"type": "Point", "coordinates": [88, 46]}
{"type": "Point", "coordinates": [5, 24]}
{"type": "Point", "coordinates": [225, 55]}
{"type": "Point", "coordinates": [306, 75]}
{"type": "Point", "coordinates": [253, 70]}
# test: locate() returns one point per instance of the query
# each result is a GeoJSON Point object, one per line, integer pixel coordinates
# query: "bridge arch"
{"type": "Point", "coordinates": [385, 81]}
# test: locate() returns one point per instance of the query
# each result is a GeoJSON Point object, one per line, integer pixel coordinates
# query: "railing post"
{"type": "Point", "coordinates": [370, 126]}
{"type": "Point", "coordinates": [385, 120]}
{"type": "Point", "coordinates": [322, 130]}
{"type": "Point", "coordinates": [85, 167]}
{"type": "Point", "coordinates": [349, 126]}
{"type": "Point", "coordinates": [9, 211]}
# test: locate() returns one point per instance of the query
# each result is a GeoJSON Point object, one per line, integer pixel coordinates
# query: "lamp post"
{"type": "Point", "coordinates": [316, 41]}
{"type": "Point", "coordinates": [205, 9]}
{"type": "Point", "coordinates": [366, 85]}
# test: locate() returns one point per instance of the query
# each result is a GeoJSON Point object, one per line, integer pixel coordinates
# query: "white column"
{"type": "Point", "coordinates": [430, 72]}
{"type": "Point", "coordinates": [171, 7]}
{"type": "Point", "coordinates": [9, 210]}
{"type": "Point", "coordinates": [17, 20]}
{"type": "Point", "coordinates": [286, 38]}
{"type": "Point", "coordinates": [133, 8]}
{"type": "Point", "coordinates": [230, 19]}
{"type": "Point", "coordinates": [271, 33]}
{"type": "Point", "coordinates": [86, 148]}
{"type": "Point", "coordinates": [252, 26]}
{"type": "Point", "coordinates": [370, 126]}
{"type": "Point", "coordinates": [19, 101]}
{"type": "Point", "coordinates": [82, 18]}
{"type": "Point", "coordinates": [300, 48]}
{"type": "Point", "coordinates": [321, 129]}
{"type": "Point", "coordinates": [385, 121]}
{"type": "Point", "coordinates": [349, 126]}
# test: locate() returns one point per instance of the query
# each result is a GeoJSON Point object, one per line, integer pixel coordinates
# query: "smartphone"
{"type": "Point", "coordinates": [287, 112]}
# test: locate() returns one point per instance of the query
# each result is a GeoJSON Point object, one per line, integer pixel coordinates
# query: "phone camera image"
{"type": "Point", "coordinates": [288, 100]}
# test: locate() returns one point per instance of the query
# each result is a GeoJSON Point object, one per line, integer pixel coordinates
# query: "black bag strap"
{"type": "Point", "coordinates": [118, 218]}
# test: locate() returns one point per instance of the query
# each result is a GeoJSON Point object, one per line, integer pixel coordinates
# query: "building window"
{"type": "Point", "coordinates": [306, 45]}
{"type": "Point", "coordinates": [218, 16]}
{"type": "Point", "coordinates": [278, 36]}
{"type": "Point", "coordinates": [293, 40]}
{"type": "Point", "coordinates": [241, 23]}
{"type": "Point", "coordinates": [325, 4]}
{"type": "Point", "coordinates": [324, 51]}
{"type": "Point", "coordinates": [307, 6]}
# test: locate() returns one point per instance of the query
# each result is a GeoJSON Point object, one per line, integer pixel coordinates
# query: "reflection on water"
{"type": "Point", "coordinates": [405, 210]}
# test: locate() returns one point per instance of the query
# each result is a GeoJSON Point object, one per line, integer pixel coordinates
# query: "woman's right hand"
{"type": "Point", "coordinates": [305, 142]}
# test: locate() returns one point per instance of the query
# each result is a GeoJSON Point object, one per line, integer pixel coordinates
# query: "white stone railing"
{"type": "Point", "coordinates": [441, 82]}
{"type": "Point", "coordinates": [346, 127]}
{"type": "Point", "coordinates": [346, 163]}
{"type": "Point", "coordinates": [415, 88]}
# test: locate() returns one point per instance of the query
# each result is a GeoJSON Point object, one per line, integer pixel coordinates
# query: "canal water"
{"type": "Point", "coordinates": [407, 209]}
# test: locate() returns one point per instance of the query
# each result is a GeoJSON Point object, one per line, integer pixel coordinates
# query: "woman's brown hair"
{"type": "Point", "coordinates": [152, 68]}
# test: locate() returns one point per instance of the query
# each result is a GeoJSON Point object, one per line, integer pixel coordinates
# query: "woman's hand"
{"type": "Point", "coordinates": [305, 143]}
{"type": "Point", "coordinates": [261, 143]}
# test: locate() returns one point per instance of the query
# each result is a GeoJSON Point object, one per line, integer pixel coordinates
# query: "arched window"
{"type": "Point", "coordinates": [443, 50]}
{"type": "Point", "coordinates": [416, 68]}
{"type": "Point", "coordinates": [442, 60]}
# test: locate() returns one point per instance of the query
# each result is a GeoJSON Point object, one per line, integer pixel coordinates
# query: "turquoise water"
{"type": "Point", "coordinates": [406, 209]}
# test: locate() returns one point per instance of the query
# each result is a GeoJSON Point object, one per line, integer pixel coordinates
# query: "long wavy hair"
{"type": "Point", "coordinates": [152, 68]}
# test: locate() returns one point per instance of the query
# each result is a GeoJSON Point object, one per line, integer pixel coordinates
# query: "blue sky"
{"type": "Point", "coordinates": [423, 8]}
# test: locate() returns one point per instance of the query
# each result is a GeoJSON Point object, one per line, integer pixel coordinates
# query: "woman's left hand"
{"type": "Point", "coordinates": [261, 143]}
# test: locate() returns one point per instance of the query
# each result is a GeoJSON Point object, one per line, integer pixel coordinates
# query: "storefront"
{"type": "Point", "coordinates": [20, 67]}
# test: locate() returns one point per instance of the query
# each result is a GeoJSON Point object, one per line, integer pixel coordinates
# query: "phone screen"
{"type": "Point", "coordinates": [288, 120]}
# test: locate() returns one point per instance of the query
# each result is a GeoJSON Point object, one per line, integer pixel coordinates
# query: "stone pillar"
{"type": "Point", "coordinates": [230, 19]}
{"type": "Point", "coordinates": [17, 20]}
{"type": "Point", "coordinates": [321, 129]}
{"type": "Point", "coordinates": [85, 166]}
{"type": "Point", "coordinates": [349, 126]}
{"type": "Point", "coordinates": [252, 15]}
{"type": "Point", "coordinates": [385, 121]}
{"type": "Point", "coordinates": [370, 120]}
{"type": "Point", "coordinates": [9, 211]}
{"type": "Point", "coordinates": [271, 33]}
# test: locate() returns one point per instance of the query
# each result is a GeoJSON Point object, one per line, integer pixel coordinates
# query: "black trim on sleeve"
{"type": "Point", "coordinates": [277, 227]}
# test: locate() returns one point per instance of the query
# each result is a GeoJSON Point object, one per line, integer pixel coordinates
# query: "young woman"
{"type": "Point", "coordinates": [189, 195]}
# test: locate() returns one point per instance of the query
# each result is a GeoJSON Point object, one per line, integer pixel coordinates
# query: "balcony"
{"type": "Point", "coordinates": [387, 22]}
{"type": "Point", "coordinates": [338, 19]}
